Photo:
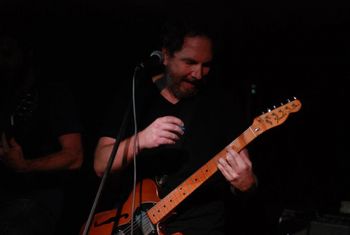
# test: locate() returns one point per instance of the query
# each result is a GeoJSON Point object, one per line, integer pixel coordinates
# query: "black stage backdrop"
{"type": "Point", "coordinates": [273, 51]}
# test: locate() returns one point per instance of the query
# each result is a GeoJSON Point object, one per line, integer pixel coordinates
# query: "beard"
{"type": "Point", "coordinates": [174, 84]}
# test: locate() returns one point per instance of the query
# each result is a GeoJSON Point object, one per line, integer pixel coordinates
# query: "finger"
{"type": "Point", "coordinates": [223, 171]}
{"type": "Point", "coordinates": [239, 160]}
{"type": "Point", "coordinates": [169, 123]}
{"type": "Point", "coordinates": [231, 157]}
{"type": "Point", "coordinates": [166, 141]}
{"type": "Point", "coordinates": [243, 159]}
{"type": "Point", "coordinates": [174, 128]}
{"type": "Point", "coordinates": [169, 135]}
{"type": "Point", "coordinates": [173, 120]}
{"type": "Point", "coordinates": [244, 152]}
{"type": "Point", "coordinates": [228, 172]}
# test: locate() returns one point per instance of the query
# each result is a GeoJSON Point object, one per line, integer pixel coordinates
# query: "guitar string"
{"type": "Point", "coordinates": [145, 217]}
{"type": "Point", "coordinates": [136, 223]}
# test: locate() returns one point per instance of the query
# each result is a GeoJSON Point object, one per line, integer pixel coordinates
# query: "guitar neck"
{"type": "Point", "coordinates": [175, 197]}
{"type": "Point", "coordinates": [261, 123]}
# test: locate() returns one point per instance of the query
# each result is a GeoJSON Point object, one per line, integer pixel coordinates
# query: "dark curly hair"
{"type": "Point", "coordinates": [176, 29]}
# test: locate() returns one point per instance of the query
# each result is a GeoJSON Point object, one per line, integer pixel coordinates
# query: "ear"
{"type": "Point", "coordinates": [166, 56]}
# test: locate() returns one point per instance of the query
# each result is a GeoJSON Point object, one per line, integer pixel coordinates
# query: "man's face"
{"type": "Point", "coordinates": [187, 67]}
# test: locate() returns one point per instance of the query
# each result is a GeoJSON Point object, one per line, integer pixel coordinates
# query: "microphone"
{"type": "Point", "coordinates": [153, 65]}
{"type": "Point", "coordinates": [155, 60]}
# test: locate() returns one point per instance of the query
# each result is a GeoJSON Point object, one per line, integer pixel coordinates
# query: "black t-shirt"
{"type": "Point", "coordinates": [39, 116]}
{"type": "Point", "coordinates": [212, 119]}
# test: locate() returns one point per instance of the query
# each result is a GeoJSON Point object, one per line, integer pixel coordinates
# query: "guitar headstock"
{"type": "Point", "coordinates": [276, 116]}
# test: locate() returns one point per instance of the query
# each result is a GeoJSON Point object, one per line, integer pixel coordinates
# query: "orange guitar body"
{"type": "Point", "coordinates": [105, 222]}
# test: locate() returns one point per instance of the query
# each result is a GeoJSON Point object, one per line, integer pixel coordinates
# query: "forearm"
{"type": "Point", "coordinates": [69, 157]}
{"type": "Point", "coordinates": [62, 160]}
{"type": "Point", "coordinates": [124, 155]}
{"type": "Point", "coordinates": [164, 130]}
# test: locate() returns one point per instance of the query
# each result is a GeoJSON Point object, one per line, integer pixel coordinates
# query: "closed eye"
{"type": "Point", "coordinates": [190, 61]}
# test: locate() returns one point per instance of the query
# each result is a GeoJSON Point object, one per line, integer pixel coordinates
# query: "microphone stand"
{"type": "Point", "coordinates": [110, 161]}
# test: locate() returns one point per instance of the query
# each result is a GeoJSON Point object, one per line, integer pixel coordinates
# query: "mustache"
{"type": "Point", "coordinates": [195, 82]}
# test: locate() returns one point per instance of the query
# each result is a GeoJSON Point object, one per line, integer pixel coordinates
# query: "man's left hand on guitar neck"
{"type": "Point", "coordinates": [237, 169]}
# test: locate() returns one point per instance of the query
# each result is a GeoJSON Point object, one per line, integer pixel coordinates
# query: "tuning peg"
{"type": "Point", "coordinates": [294, 97]}
{"type": "Point", "coordinates": [268, 110]}
{"type": "Point", "coordinates": [288, 100]}
{"type": "Point", "coordinates": [274, 106]}
{"type": "Point", "coordinates": [281, 104]}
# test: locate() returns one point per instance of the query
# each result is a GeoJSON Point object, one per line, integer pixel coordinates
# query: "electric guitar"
{"type": "Point", "coordinates": [150, 210]}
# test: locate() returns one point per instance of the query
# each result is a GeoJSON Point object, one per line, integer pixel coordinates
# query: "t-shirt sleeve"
{"type": "Point", "coordinates": [63, 109]}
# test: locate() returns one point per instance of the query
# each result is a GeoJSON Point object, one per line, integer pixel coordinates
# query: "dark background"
{"type": "Point", "coordinates": [273, 51]}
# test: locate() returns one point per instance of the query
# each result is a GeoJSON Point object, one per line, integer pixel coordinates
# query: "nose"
{"type": "Point", "coordinates": [199, 71]}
